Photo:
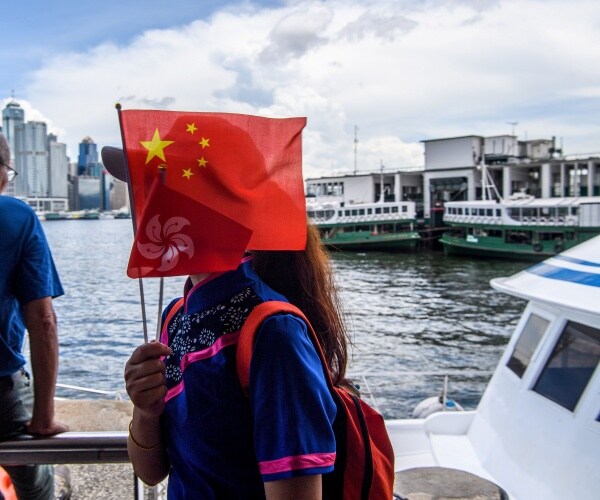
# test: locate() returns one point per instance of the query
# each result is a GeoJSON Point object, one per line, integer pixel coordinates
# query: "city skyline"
{"type": "Point", "coordinates": [400, 71]}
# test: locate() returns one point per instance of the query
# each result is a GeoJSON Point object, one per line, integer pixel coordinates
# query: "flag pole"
{"type": "Point", "coordinates": [162, 169]}
{"type": "Point", "coordinates": [133, 223]}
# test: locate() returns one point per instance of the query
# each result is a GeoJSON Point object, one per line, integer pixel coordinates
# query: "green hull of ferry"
{"type": "Point", "coordinates": [371, 241]}
{"type": "Point", "coordinates": [514, 243]}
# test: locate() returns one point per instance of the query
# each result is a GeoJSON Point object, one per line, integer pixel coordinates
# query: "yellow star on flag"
{"type": "Point", "coordinates": [204, 143]}
{"type": "Point", "coordinates": [187, 173]}
{"type": "Point", "coordinates": [191, 128]}
{"type": "Point", "coordinates": [156, 147]}
{"type": "Point", "coordinates": [202, 162]}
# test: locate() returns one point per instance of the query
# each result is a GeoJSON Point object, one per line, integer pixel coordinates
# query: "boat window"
{"type": "Point", "coordinates": [489, 212]}
{"type": "Point", "coordinates": [354, 212]}
{"type": "Point", "coordinates": [394, 210]}
{"type": "Point", "coordinates": [404, 208]}
{"type": "Point", "coordinates": [340, 213]}
{"type": "Point", "coordinates": [378, 210]}
{"type": "Point", "coordinates": [571, 365]}
{"type": "Point", "coordinates": [348, 213]}
{"type": "Point", "coordinates": [361, 211]}
{"type": "Point", "coordinates": [498, 212]}
{"type": "Point", "coordinates": [459, 210]}
{"type": "Point", "coordinates": [481, 211]}
{"type": "Point", "coordinates": [530, 337]}
{"type": "Point", "coordinates": [386, 210]}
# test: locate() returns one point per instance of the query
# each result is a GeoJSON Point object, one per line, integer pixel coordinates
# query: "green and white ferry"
{"type": "Point", "coordinates": [519, 227]}
{"type": "Point", "coordinates": [383, 226]}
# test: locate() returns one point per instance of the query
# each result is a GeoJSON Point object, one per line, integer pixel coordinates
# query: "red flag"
{"type": "Point", "coordinates": [247, 168]}
{"type": "Point", "coordinates": [176, 236]}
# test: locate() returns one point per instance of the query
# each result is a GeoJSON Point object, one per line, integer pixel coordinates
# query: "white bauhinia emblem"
{"type": "Point", "coordinates": [167, 242]}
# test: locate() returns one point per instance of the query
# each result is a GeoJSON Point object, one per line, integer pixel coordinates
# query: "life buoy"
{"type": "Point", "coordinates": [433, 405]}
{"type": "Point", "coordinates": [6, 487]}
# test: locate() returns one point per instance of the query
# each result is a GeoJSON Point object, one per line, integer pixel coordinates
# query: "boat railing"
{"type": "Point", "coordinates": [117, 395]}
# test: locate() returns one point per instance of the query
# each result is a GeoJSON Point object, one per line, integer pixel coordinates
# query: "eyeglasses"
{"type": "Point", "coordinates": [11, 174]}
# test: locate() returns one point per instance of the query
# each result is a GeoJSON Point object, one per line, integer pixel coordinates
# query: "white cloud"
{"type": "Point", "coordinates": [401, 71]}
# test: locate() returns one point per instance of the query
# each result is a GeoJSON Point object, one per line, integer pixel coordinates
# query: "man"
{"type": "Point", "coordinates": [28, 282]}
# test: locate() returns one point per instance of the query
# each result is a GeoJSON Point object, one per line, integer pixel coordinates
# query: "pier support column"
{"type": "Point", "coordinates": [591, 179]}
{"type": "Point", "coordinates": [471, 186]}
{"type": "Point", "coordinates": [506, 182]}
{"type": "Point", "coordinates": [426, 195]}
{"type": "Point", "coordinates": [546, 180]}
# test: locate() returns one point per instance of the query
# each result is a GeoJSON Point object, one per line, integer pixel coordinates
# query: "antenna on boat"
{"type": "Point", "coordinates": [513, 125]}
{"type": "Point", "coordinates": [488, 188]}
{"type": "Point", "coordinates": [355, 146]}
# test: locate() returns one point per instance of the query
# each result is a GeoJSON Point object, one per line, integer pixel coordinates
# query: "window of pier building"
{"type": "Point", "coordinates": [528, 341]}
{"type": "Point", "coordinates": [325, 189]}
{"type": "Point", "coordinates": [571, 365]}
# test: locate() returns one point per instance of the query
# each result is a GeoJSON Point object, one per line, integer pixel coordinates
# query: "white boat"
{"type": "Point", "coordinates": [381, 225]}
{"type": "Point", "coordinates": [520, 227]}
{"type": "Point", "coordinates": [536, 431]}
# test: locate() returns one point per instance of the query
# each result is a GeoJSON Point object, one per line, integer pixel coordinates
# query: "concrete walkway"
{"type": "Point", "coordinates": [98, 481]}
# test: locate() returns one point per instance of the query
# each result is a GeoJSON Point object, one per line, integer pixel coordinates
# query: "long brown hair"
{"type": "Point", "coordinates": [305, 278]}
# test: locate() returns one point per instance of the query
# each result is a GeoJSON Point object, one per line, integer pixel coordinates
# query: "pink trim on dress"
{"type": "Point", "coordinates": [191, 357]}
{"type": "Point", "coordinates": [296, 462]}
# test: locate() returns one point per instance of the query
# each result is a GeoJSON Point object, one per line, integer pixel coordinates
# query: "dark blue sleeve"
{"type": "Point", "coordinates": [292, 405]}
{"type": "Point", "coordinates": [36, 276]}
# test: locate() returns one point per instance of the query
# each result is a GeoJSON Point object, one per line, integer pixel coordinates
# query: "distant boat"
{"type": "Point", "coordinates": [520, 227]}
{"type": "Point", "coordinates": [122, 213]}
{"type": "Point", "coordinates": [50, 216]}
{"type": "Point", "coordinates": [384, 226]}
{"type": "Point", "coordinates": [85, 215]}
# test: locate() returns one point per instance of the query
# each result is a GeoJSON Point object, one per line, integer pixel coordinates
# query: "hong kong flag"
{"type": "Point", "coordinates": [176, 236]}
{"type": "Point", "coordinates": [246, 168]}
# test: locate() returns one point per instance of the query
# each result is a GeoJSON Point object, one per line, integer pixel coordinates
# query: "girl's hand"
{"type": "Point", "coordinates": [145, 378]}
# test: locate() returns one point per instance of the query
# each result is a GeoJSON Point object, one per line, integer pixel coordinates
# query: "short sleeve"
{"type": "Point", "coordinates": [292, 406]}
{"type": "Point", "coordinates": [36, 276]}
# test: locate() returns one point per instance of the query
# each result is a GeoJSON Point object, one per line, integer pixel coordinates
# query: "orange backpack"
{"type": "Point", "coordinates": [364, 464]}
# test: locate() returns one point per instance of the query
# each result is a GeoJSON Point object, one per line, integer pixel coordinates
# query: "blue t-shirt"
{"type": "Point", "coordinates": [220, 443]}
{"type": "Point", "coordinates": [27, 273]}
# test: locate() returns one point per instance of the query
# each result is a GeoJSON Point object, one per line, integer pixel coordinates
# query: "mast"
{"type": "Point", "coordinates": [355, 147]}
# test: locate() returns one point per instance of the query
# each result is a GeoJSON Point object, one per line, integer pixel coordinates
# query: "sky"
{"type": "Point", "coordinates": [373, 77]}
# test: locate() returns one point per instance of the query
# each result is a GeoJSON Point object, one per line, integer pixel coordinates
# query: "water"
{"type": "Point", "coordinates": [412, 317]}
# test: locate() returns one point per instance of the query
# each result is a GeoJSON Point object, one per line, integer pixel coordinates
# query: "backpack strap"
{"type": "Point", "coordinates": [172, 312]}
{"type": "Point", "coordinates": [250, 329]}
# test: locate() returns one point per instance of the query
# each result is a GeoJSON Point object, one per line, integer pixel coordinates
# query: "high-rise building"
{"type": "Point", "coordinates": [13, 115]}
{"type": "Point", "coordinates": [58, 168]}
{"type": "Point", "coordinates": [87, 163]}
{"type": "Point", "coordinates": [31, 160]}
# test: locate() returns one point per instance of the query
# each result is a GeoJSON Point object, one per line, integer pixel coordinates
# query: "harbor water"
{"type": "Point", "coordinates": [412, 318]}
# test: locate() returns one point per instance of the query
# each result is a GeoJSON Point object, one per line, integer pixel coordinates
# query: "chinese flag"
{"type": "Point", "coordinates": [176, 236]}
{"type": "Point", "coordinates": [246, 168]}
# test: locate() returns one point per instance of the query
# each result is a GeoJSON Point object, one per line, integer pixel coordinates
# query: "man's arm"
{"type": "Point", "coordinates": [40, 321]}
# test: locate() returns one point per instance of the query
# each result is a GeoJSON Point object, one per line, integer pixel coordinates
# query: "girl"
{"type": "Point", "coordinates": [191, 419]}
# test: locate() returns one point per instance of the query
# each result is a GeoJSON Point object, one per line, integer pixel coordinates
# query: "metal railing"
{"type": "Point", "coordinates": [103, 447]}
{"type": "Point", "coordinates": [66, 448]}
